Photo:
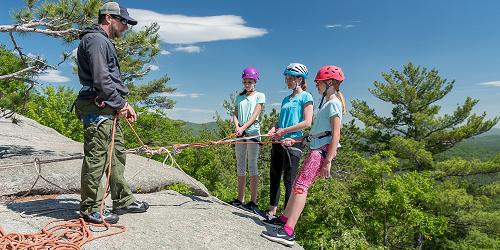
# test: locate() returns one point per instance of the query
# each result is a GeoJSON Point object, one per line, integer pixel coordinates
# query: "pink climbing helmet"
{"type": "Point", "coordinates": [330, 72]}
{"type": "Point", "coordinates": [250, 72]}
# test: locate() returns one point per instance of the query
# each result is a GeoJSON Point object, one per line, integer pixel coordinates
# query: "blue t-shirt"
{"type": "Point", "coordinates": [322, 123]}
{"type": "Point", "coordinates": [292, 112]}
{"type": "Point", "coordinates": [245, 106]}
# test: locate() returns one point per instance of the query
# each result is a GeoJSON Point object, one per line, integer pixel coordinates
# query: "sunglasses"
{"type": "Point", "coordinates": [248, 82]}
{"type": "Point", "coordinates": [121, 19]}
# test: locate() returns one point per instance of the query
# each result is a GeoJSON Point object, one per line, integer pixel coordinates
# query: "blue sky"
{"type": "Point", "coordinates": [206, 44]}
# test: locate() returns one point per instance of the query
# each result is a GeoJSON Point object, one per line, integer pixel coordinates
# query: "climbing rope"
{"type": "Point", "coordinates": [64, 234]}
{"type": "Point", "coordinates": [73, 234]}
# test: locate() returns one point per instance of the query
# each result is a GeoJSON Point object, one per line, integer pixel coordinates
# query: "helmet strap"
{"type": "Point", "coordinates": [296, 85]}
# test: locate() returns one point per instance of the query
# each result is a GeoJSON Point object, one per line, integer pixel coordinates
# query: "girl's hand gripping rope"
{"type": "Point", "coordinates": [288, 142]}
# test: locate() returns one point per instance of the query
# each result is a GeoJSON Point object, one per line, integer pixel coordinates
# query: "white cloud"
{"type": "Point", "coordinates": [153, 67]}
{"type": "Point", "coordinates": [180, 94]}
{"type": "Point", "coordinates": [52, 75]}
{"type": "Point", "coordinates": [165, 52]}
{"type": "Point", "coordinates": [181, 29]}
{"type": "Point", "coordinates": [493, 83]}
{"type": "Point", "coordinates": [345, 26]}
{"type": "Point", "coordinates": [333, 26]}
{"type": "Point", "coordinates": [189, 49]}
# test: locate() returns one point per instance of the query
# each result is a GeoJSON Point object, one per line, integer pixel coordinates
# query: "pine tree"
{"type": "Point", "coordinates": [64, 19]}
{"type": "Point", "coordinates": [457, 192]}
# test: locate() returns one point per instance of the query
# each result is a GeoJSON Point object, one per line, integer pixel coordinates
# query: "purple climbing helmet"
{"type": "Point", "coordinates": [250, 72]}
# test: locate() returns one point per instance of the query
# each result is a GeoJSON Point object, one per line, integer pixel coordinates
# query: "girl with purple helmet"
{"type": "Point", "coordinates": [323, 143]}
{"type": "Point", "coordinates": [248, 106]}
{"type": "Point", "coordinates": [295, 115]}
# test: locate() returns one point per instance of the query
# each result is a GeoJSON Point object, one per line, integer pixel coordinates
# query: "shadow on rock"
{"type": "Point", "coordinates": [250, 216]}
{"type": "Point", "coordinates": [14, 150]}
{"type": "Point", "coordinates": [54, 208]}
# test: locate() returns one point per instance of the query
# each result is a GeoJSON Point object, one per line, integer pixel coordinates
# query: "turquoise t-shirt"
{"type": "Point", "coordinates": [321, 123]}
{"type": "Point", "coordinates": [245, 106]}
{"type": "Point", "coordinates": [292, 112]}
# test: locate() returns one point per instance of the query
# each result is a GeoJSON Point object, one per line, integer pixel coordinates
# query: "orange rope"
{"type": "Point", "coordinates": [57, 234]}
{"type": "Point", "coordinates": [64, 234]}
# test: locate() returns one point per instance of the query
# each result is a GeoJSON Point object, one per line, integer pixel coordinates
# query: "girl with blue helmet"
{"type": "Point", "coordinates": [324, 141]}
{"type": "Point", "coordinates": [295, 115]}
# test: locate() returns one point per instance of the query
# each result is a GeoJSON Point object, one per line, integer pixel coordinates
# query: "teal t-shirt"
{"type": "Point", "coordinates": [292, 112]}
{"type": "Point", "coordinates": [321, 123]}
{"type": "Point", "coordinates": [246, 106]}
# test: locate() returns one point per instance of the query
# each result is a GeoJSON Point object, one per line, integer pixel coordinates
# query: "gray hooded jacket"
{"type": "Point", "coordinates": [98, 68]}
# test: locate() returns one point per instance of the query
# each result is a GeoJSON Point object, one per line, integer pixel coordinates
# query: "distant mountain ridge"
{"type": "Point", "coordinates": [483, 147]}
{"type": "Point", "coordinates": [493, 131]}
{"type": "Point", "coordinates": [198, 127]}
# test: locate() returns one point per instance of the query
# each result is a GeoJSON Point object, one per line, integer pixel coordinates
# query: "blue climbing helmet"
{"type": "Point", "coordinates": [296, 69]}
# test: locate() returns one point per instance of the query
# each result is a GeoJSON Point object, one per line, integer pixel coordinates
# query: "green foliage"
{"type": "Point", "coordinates": [428, 201]}
{"type": "Point", "coordinates": [12, 91]}
{"type": "Point", "coordinates": [52, 108]}
{"type": "Point", "coordinates": [61, 15]}
{"type": "Point", "coordinates": [180, 188]}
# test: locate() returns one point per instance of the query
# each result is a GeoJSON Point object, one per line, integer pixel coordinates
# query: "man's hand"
{"type": "Point", "coordinates": [128, 112]}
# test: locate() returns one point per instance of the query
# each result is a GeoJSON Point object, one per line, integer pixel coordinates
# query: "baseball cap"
{"type": "Point", "coordinates": [113, 8]}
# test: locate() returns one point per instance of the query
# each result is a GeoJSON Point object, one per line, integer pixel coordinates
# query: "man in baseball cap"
{"type": "Point", "coordinates": [104, 95]}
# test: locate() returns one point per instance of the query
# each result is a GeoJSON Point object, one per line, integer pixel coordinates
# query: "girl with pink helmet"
{"type": "Point", "coordinates": [323, 143]}
{"type": "Point", "coordinates": [295, 115]}
{"type": "Point", "coordinates": [248, 106]}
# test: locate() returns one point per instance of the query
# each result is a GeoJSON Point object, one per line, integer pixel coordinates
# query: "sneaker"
{"type": "Point", "coordinates": [274, 222]}
{"type": "Point", "coordinates": [95, 217]}
{"type": "Point", "coordinates": [135, 207]}
{"type": "Point", "coordinates": [251, 206]}
{"type": "Point", "coordinates": [279, 236]}
{"type": "Point", "coordinates": [236, 203]}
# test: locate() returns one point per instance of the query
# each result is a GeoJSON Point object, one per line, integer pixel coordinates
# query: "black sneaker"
{"type": "Point", "coordinates": [274, 222]}
{"type": "Point", "coordinates": [236, 203]}
{"type": "Point", "coordinates": [95, 217]}
{"type": "Point", "coordinates": [135, 207]}
{"type": "Point", "coordinates": [251, 206]}
{"type": "Point", "coordinates": [279, 236]}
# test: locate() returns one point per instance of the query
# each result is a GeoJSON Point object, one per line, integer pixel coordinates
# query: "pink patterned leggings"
{"type": "Point", "coordinates": [310, 170]}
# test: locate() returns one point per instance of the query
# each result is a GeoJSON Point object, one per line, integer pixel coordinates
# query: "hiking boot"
{"type": "Point", "coordinates": [95, 217]}
{"type": "Point", "coordinates": [274, 222]}
{"type": "Point", "coordinates": [236, 203]}
{"type": "Point", "coordinates": [279, 236]}
{"type": "Point", "coordinates": [135, 207]}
